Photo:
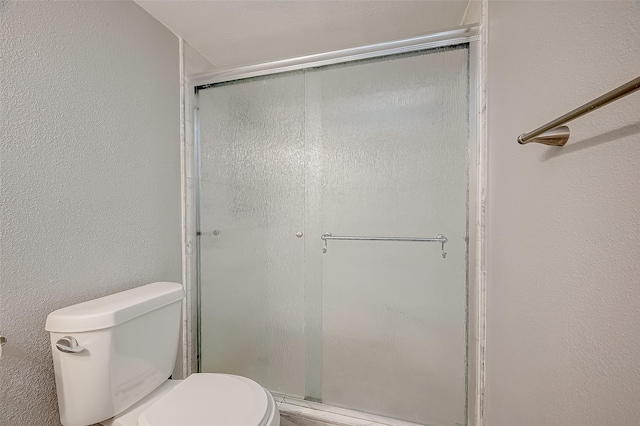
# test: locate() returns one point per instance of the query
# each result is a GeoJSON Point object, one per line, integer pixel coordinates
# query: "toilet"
{"type": "Point", "coordinates": [113, 357]}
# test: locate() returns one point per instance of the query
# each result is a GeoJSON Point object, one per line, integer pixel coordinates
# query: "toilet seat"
{"type": "Point", "coordinates": [213, 400]}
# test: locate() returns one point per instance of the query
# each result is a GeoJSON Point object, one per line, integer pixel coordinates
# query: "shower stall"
{"type": "Point", "coordinates": [376, 149]}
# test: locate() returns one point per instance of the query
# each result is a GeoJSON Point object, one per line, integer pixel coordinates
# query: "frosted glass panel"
{"type": "Point", "coordinates": [371, 148]}
{"type": "Point", "coordinates": [395, 161]}
{"type": "Point", "coordinates": [252, 195]}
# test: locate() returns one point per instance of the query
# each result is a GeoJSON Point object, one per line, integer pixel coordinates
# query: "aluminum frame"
{"type": "Point", "coordinates": [476, 293]}
{"type": "Point", "coordinates": [451, 37]}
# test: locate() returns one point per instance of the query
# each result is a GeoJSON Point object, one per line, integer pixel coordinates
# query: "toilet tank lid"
{"type": "Point", "coordinates": [114, 309]}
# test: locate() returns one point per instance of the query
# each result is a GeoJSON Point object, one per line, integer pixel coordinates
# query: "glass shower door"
{"type": "Point", "coordinates": [251, 207]}
{"type": "Point", "coordinates": [394, 138]}
{"type": "Point", "coordinates": [370, 148]}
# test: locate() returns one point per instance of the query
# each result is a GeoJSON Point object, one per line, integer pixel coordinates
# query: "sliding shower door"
{"type": "Point", "coordinates": [394, 140]}
{"type": "Point", "coordinates": [375, 148]}
{"type": "Point", "coordinates": [251, 206]}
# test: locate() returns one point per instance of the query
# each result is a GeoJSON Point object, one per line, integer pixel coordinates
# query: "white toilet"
{"type": "Point", "coordinates": [112, 359]}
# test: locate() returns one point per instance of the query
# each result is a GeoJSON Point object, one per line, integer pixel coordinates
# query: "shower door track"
{"type": "Point", "coordinates": [476, 39]}
{"type": "Point", "coordinates": [452, 37]}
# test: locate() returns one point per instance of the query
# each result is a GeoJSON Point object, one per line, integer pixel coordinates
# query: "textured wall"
{"type": "Point", "coordinates": [90, 174]}
{"type": "Point", "coordinates": [564, 224]}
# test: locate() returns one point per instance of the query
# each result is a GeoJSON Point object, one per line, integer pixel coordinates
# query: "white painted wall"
{"type": "Point", "coordinates": [563, 324]}
{"type": "Point", "coordinates": [90, 174]}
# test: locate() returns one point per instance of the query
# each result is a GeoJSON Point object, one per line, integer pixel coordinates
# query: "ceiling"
{"type": "Point", "coordinates": [236, 33]}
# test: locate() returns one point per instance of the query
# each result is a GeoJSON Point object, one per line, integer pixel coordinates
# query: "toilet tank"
{"type": "Point", "coordinates": [126, 347]}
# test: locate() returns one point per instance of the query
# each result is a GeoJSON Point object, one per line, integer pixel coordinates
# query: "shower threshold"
{"type": "Point", "coordinates": [299, 412]}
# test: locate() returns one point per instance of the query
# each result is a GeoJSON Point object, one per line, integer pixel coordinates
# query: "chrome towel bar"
{"type": "Point", "coordinates": [552, 134]}
{"type": "Point", "coordinates": [438, 239]}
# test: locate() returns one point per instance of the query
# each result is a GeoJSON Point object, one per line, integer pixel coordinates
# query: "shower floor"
{"type": "Point", "coordinates": [298, 412]}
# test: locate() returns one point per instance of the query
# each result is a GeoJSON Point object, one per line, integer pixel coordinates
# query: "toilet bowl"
{"type": "Point", "coordinates": [203, 399]}
{"type": "Point", "coordinates": [113, 357]}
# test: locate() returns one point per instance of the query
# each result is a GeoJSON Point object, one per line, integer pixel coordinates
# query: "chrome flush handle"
{"type": "Point", "coordinates": [69, 345]}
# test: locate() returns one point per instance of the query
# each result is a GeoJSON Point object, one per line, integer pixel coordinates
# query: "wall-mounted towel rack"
{"type": "Point", "coordinates": [438, 239]}
{"type": "Point", "coordinates": [554, 134]}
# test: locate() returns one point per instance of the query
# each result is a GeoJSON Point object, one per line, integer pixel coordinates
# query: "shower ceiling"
{"type": "Point", "coordinates": [236, 33]}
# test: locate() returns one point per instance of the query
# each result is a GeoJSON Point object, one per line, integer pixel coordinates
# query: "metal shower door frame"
{"type": "Point", "coordinates": [471, 35]}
